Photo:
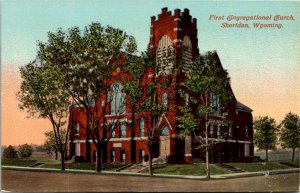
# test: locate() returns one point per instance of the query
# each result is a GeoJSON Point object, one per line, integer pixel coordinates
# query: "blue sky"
{"type": "Point", "coordinates": [25, 22]}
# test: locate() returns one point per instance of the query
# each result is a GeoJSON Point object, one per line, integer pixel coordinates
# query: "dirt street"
{"type": "Point", "coordinates": [40, 181]}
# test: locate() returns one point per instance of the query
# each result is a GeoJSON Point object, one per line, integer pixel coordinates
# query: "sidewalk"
{"type": "Point", "coordinates": [213, 177]}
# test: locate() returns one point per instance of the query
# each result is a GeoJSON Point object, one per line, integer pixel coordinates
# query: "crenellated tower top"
{"type": "Point", "coordinates": [180, 29]}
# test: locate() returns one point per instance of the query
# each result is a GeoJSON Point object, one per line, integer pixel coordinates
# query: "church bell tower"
{"type": "Point", "coordinates": [173, 36]}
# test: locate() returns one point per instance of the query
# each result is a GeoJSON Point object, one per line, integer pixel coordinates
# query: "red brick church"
{"type": "Point", "coordinates": [234, 143]}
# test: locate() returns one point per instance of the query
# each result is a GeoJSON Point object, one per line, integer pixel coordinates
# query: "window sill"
{"type": "Point", "coordinates": [113, 115]}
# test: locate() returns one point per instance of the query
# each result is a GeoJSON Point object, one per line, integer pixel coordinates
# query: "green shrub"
{"type": "Point", "coordinates": [9, 152]}
{"type": "Point", "coordinates": [25, 150]}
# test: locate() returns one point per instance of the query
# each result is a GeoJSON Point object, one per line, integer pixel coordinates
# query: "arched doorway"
{"type": "Point", "coordinates": [164, 145]}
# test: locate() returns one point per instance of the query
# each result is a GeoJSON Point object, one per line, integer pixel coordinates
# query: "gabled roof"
{"type": "Point", "coordinates": [215, 57]}
{"type": "Point", "coordinates": [242, 107]}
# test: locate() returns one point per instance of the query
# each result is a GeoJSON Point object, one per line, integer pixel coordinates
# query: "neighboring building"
{"type": "Point", "coordinates": [234, 143]}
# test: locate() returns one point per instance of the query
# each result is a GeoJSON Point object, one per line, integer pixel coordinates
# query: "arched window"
{"type": "Point", "coordinates": [142, 127]}
{"type": "Point", "coordinates": [122, 130]}
{"type": "Point", "coordinates": [164, 131]}
{"type": "Point", "coordinates": [187, 53]}
{"type": "Point", "coordinates": [219, 134]}
{"type": "Point", "coordinates": [164, 99]}
{"type": "Point", "coordinates": [112, 126]}
{"type": "Point", "coordinates": [215, 103]}
{"type": "Point", "coordinates": [211, 130]}
{"type": "Point", "coordinates": [117, 99]}
{"type": "Point", "coordinates": [164, 54]}
{"type": "Point", "coordinates": [77, 129]}
{"type": "Point", "coordinates": [246, 131]}
{"type": "Point", "coordinates": [230, 132]}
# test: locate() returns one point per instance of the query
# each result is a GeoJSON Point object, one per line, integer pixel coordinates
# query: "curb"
{"type": "Point", "coordinates": [213, 177]}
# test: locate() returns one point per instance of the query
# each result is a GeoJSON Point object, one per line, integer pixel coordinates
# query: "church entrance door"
{"type": "Point", "coordinates": [164, 145]}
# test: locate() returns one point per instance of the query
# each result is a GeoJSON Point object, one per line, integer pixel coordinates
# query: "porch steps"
{"type": "Point", "coordinates": [124, 167]}
{"type": "Point", "coordinates": [72, 160]}
{"type": "Point", "coordinates": [230, 168]}
{"type": "Point", "coordinates": [160, 160]}
{"type": "Point", "coordinates": [36, 164]}
{"type": "Point", "coordinates": [135, 168]}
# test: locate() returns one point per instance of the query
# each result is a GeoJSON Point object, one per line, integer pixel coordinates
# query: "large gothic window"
{"type": "Point", "coordinates": [164, 55]}
{"type": "Point", "coordinates": [187, 54]}
{"type": "Point", "coordinates": [117, 99]}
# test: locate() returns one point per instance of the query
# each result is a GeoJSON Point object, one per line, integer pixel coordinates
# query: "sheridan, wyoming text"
{"type": "Point", "coordinates": [242, 21]}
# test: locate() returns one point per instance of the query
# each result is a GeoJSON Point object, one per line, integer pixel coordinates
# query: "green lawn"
{"type": "Point", "coordinates": [17, 162]}
{"type": "Point", "coordinates": [185, 169]}
{"type": "Point", "coordinates": [255, 167]}
{"type": "Point", "coordinates": [81, 166]}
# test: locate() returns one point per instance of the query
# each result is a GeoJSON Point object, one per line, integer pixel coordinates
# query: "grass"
{"type": "Point", "coordinates": [255, 167]}
{"type": "Point", "coordinates": [81, 166]}
{"type": "Point", "coordinates": [17, 162]}
{"type": "Point", "coordinates": [185, 169]}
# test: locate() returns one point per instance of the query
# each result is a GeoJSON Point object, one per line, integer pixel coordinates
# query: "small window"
{"type": "Point", "coordinates": [211, 131]}
{"type": "Point", "coordinates": [247, 149]}
{"type": "Point", "coordinates": [215, 103]}
{"type": "Point", "coordinates": [219, 131]}
{"type": "Point", "coordinates": [246, 131]}
{"type": "Point", "coordinates": [77, 129]}
{"type": "Point", "coordinates": [122, 157]}
{"type": "Point", "coordinates": [142, 127]}
{"type": "Point", "coordinates": [112, 129]}
{"type": "Point", "coordinates": [122, 130]}
{"type": "Point", "coordinates": [112, 156]}
{"type": "Point", "coordinates": [142, 156]}
{"type": "Point", "coordinates": [230, 132]}
{"type": "Point", "coordinates": [165, 99]}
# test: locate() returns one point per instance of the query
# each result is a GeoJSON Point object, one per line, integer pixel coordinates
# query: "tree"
{"type": "Point", "coordinates": [265, 133]}
{"type": "Point", "coordinates": [10, 152]}
{"type": "Point", "coordinates": [25, 150]}
{"type": "Point", "coordinates": [204, 90]}
{"type": "Point", "coordinates": [290, 132]}
{"type": "Point", "coordinates": [50, 143]}
{"type": "Point", "coordinates": [147, 76]}
{"type": "Point", "coordinates": [42, 94]}
{"type": "Point", "coordinates": [88, 58]}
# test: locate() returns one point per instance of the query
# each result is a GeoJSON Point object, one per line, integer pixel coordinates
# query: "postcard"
{"type": "Point", "coordinates": [199, 95]}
